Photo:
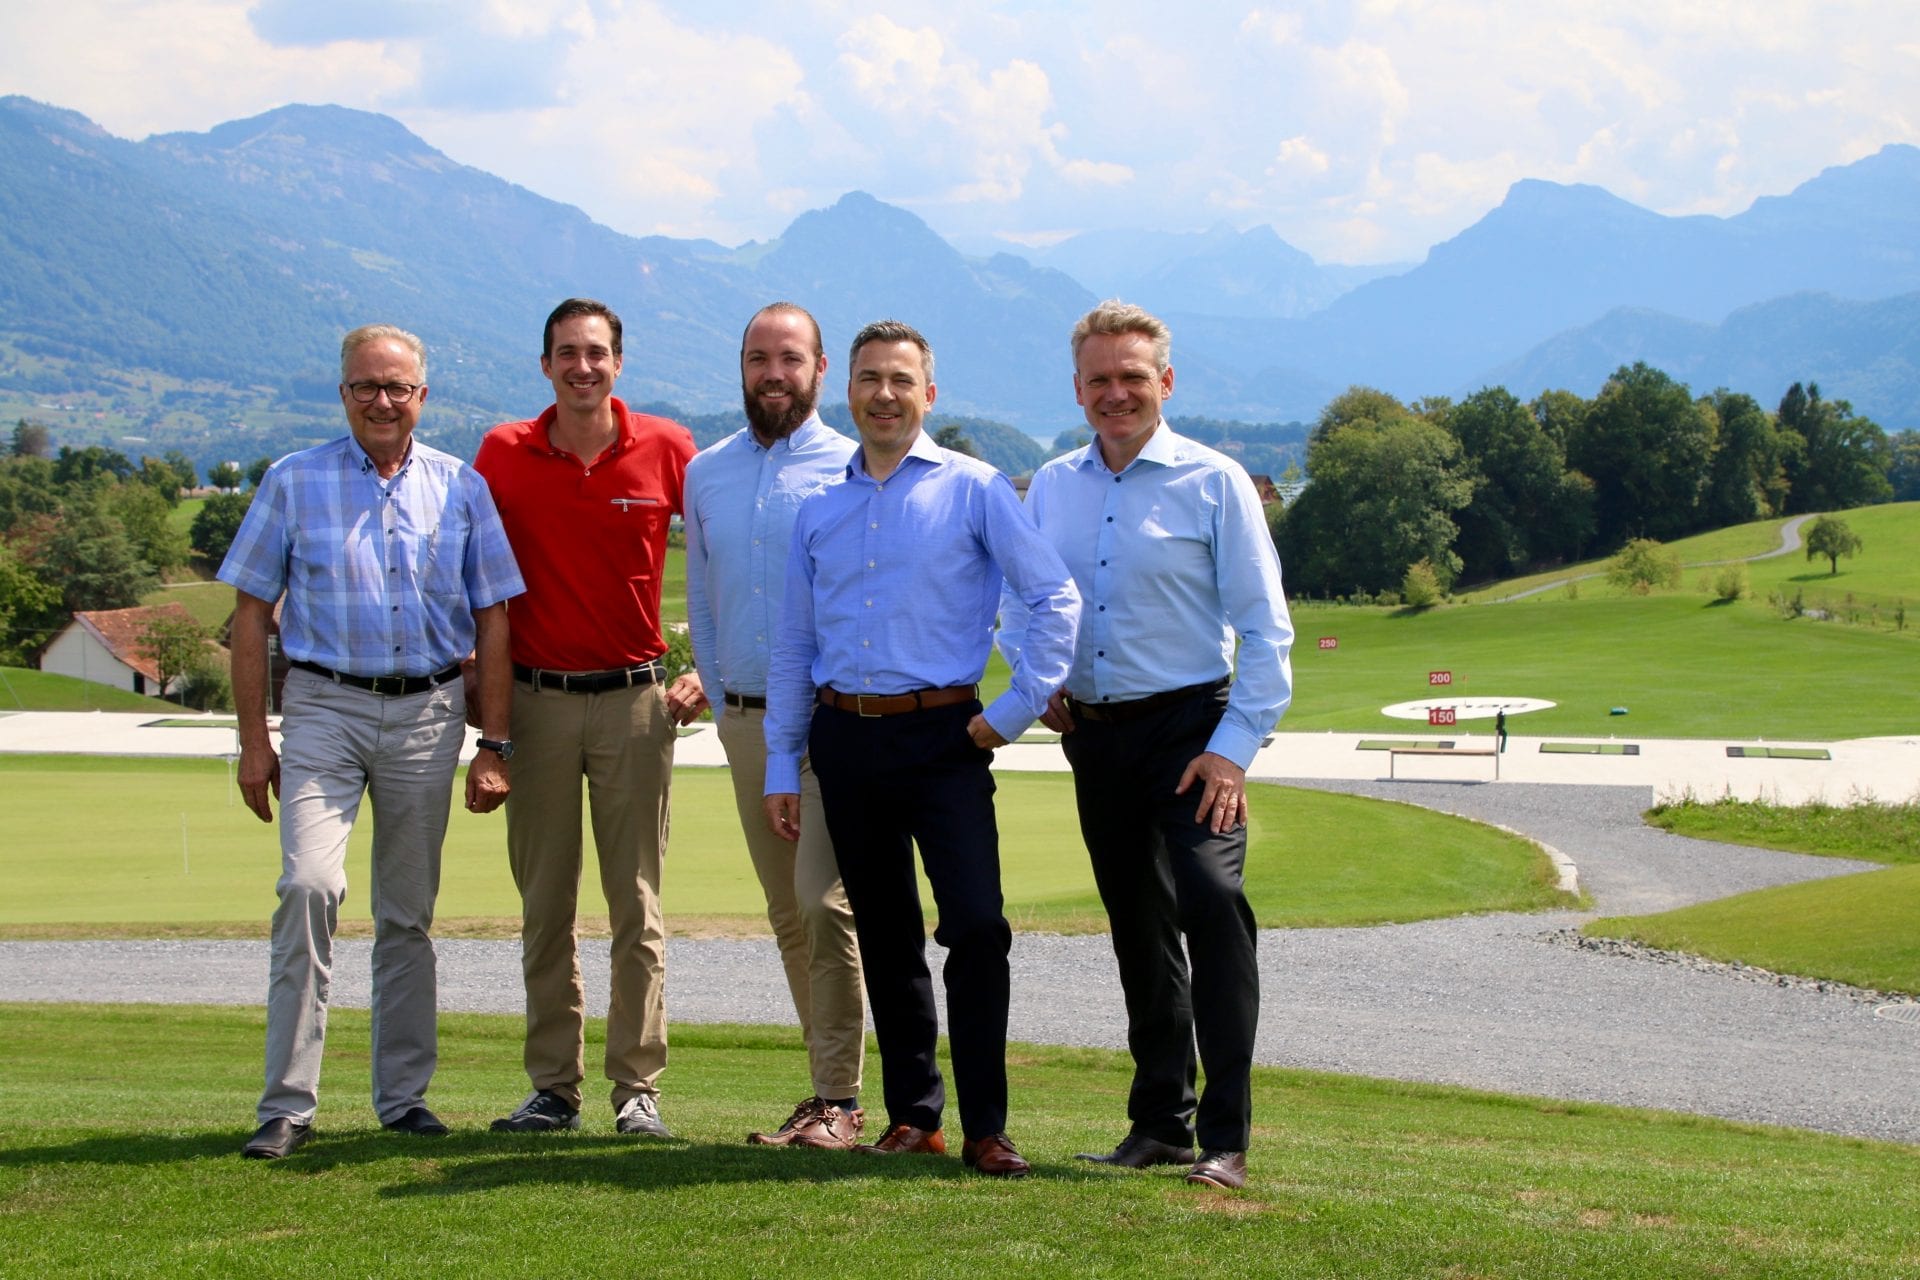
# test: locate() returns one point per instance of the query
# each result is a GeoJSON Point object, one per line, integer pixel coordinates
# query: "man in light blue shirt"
{"type": "Point", "coordinates": [1167, 543]}
{"type": "Point", "coordinates": [394, 567]}
{"type": "Point", "coordinates": [741, 498]}
{"type": "Point", "coordinates": [893, 581]}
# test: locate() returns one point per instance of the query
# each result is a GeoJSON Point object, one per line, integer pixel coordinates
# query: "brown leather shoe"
{"type": "Point", "coordinates": [1137, 1151]}
{"type": "Point", "coordinates": [1224, 1169]}
{"type": "Point", "coordinates": [994, 1156]}
{"type": "Point", "coordinates": [904, 1139]}
{"type": "Point", "coordinates": [815, 1123]}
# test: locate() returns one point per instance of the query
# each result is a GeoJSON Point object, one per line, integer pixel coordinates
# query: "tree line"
{"type": "Point", "coordinates": [1489, 486]}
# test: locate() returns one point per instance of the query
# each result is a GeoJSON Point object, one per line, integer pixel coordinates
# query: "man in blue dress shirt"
{"type": "Point", "coordinates": [893, 581]}
{"type": "Point", "coordinates": [741, 498]}
{"type": "Point", "coordinates": [394, 567]}
{"type": "Point", "coordinates": [1170, 550]}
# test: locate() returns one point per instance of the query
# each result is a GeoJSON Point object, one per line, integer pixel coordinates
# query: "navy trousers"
{"type": "Point", "coordinates": [888, 783]}
{"type": "Point", "coordinates": [1161, 875]}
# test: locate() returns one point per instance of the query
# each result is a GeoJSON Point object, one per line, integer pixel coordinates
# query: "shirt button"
{"type": "Point", "coordinates": [867, 681]}
{"type": "Point", "coordinates": [874, 525]}
{"type": "Point", "coordinates": [1103, 608]}
{"type": "Point", "coordinates": [870, 564]}
{"type": "Point", "coordinates": [1109, 519]}
{"type": "Point", "coordinates": [756, 591]}
{"type": "Point", "coordinates": [869, 604]}
{"type": "Point", "coordinates": [1100, 653]}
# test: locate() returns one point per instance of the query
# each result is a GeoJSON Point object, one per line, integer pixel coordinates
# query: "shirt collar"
{"type": "Point", "coordinates": [1161, 449]}
{"type": "Point", "coordinates": [798, 438]}
{"type": "Point", "coordinates": [624, 431]}
{"type": "Point", "coordinates": [923, 448]}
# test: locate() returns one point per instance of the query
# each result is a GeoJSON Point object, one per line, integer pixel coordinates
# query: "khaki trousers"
{"type": "Point", "coordinates": [806, 907]}
{"type": "Point", "coordinates": [622, 743]}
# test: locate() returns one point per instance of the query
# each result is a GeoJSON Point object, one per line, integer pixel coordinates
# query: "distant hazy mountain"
{"type": "Point", "coordinates": [237, 257]}
{"type": "Point", "coordinates": [1251, 274]}
{"type": "Point", "coordinates": [1864, 352]}
{"type": "Point", "coordinates": [1556, 257]}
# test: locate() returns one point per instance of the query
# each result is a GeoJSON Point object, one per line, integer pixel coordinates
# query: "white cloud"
{"type": "Point", "coordinates": [1365, 129]}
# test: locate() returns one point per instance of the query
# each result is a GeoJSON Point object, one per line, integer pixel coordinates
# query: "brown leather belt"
{"type": "Point", "coordinates": [896, 704]}
{"type": "Point", "coordinates": [1136, 708]}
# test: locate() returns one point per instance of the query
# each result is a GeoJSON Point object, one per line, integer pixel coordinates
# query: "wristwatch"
{"type": "Point", "coordinates": [502, 747]}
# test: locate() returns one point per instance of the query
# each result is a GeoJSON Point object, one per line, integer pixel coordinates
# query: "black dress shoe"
{"type": "Point", "coordinates": [276, 1138]}
{"type": "Point", "coordinates": [417, 1120]}
{"type": "Point", "coordinates": [1137, 1151]}
{"type": "Point", "coordinates": [1225, 1169]}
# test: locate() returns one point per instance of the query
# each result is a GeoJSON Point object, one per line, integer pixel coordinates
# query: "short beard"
{"type": "Point", "coordinates": [778, 426]}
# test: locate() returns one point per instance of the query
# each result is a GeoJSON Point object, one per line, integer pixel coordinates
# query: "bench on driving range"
{"type": "Point", "coordinates": [1394, 754]}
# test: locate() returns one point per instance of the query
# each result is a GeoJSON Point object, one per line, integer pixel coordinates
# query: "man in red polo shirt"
{"type": "Point", "coordinates": [586, 491]}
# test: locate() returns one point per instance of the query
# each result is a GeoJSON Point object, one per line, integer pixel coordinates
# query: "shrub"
{"type": "Point", "coordinates": [1644, 564]}
{"type": "Point", "coordinates": [1731, 582]}
{"type": "Point", "coordinates": [1420, 588]}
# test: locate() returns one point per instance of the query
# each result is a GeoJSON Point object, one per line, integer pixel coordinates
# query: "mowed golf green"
{"type": "Point", "coordinates": [166, 844]}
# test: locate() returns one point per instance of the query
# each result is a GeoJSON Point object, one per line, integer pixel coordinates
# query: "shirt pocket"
{"type": "Point", "coordinates": [445, 572]}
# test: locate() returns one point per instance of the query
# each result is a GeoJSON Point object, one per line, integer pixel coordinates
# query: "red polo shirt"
{"type": "Point", "coordinates": [591, 538]}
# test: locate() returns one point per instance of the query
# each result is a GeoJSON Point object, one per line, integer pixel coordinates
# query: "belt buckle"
{"type": "Point", "coordinates": [379, 685]}
{"type": "Point", "coordinates": [860, 706]}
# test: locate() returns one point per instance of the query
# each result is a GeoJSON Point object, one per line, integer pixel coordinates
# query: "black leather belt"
{"type": "Point", "coordinates": [895, 704]}
{"type": "Point", "coordinates": [385, 686]}
{"type": "Point", "coordinates": [588, 681]}
{"type": "Point", "coordinates": [745, 701]}
{"type": "Point", "coordinates": [1137, 708]}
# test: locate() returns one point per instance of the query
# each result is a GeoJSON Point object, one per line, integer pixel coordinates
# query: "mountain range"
{"type": "Point", "coordinates": [235, 258]}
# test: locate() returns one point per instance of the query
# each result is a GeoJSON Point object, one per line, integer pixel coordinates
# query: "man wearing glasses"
{"type": "Point", "coordinates": [587, 490]}
{"type": "Point", "coordinates": [394, 568]}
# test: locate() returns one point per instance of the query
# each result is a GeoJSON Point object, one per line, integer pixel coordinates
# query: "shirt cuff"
{"type": "Point", "coordinates": [783, 775]}
{"type": "Point", "coordinates": [1235, 743]}
{"type": "Point", "coordinates": [1009, 716]}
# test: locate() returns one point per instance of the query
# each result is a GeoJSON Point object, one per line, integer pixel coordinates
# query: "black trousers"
{"type": "Point", "coordinates": [886, 783]}
{"type": "Point", "coordinates": [1161, 874]}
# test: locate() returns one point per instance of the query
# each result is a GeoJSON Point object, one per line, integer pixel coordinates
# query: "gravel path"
{"type": "Point", "coordinates": [1498, 1002]}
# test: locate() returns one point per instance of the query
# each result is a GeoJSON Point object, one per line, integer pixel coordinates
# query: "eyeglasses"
{"type": "Point", "coordinates": [397, 392]}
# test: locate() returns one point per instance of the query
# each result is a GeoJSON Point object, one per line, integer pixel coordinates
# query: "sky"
{"type": "Point", "coordinates": [1362, 132]}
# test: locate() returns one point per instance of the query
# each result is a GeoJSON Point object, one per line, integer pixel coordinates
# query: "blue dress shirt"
{"type": "Point", "coordinates": [741, 500]}
{"type": "Point", "coordinates": [893, 586]}
{"type": "Point", "coordinates": [381, 576]}
{"type": "Point", "coordinates": [1174, 563]}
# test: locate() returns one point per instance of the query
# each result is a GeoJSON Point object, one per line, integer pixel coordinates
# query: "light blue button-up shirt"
{"type": "Point", "coordinates": [893, 586]}
{"type": "Point", "coordinates": [1174, 563]}
{"type": "Point", "coordinates": [741, 500]}
{"type": "Point", "coordinates": [381, 576]}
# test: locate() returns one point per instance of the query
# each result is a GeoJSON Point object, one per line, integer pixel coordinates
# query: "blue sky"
{"type": "Point", "coordinates": [1363, 132]}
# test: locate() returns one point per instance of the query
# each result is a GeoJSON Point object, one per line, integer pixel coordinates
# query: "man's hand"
{"type": "Point", "coordinates": [1223, 801]}
{"type": "Point", "coordinates": [259, 773]}
{"type": "Point", "coordinates": [783, 815]}
{"type": "Point", "coordinates": [984, 735]}
{"type": "Point", "coordinates": [487, 782]}
{"type": "Point", "coordinates": [686, 699]}
{"type": "Point", "coordinates": [1058, 716]}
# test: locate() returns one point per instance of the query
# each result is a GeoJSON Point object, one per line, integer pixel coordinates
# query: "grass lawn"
{"type": "Point", "coordinates": [146, 847]}
{"type": "Point", "coordinates": [1873, 830]}
{"type": "Point", "coordinates": [210, 602]}
{"type": "Point", "coordinates": [23, 689]}
{"type": "Point", "coordinates": [1860, 929]}
{"type": "Point", "coordinates": [1350, 1177]}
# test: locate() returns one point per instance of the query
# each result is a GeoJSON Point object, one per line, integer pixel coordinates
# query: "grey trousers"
{"type": "Point", "coordinates": [338, 745]}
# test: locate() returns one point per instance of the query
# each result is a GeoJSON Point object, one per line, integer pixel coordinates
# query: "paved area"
{"type": "Point", "coordinates": [1496, 1001]}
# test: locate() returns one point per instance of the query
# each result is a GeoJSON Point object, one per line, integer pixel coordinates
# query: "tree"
{"type": "Point", "coordinates": [183, 467]}
{"type": "Point", "coordinates": [89, 556]}
{"type": "Point", "coordinates": [1747, 479]}
{"type": "Point", "coordinates": [1380, 496]}
{"type": "Point", "coordinates": [31, 439]}
{"type": "Point", "coordinates": [257, 471]}
{"type": "Point", "coordinates": [217, 523]}
{"type": "Point", "coordinates": [1420, 588]}
{"type": "Point", "coordinates": [178, 646]}
{"type": "Point", "coordinates": [1353, 406]}
{"type": "Point", "coordinates": [1646, 445]}
{"type": "Point", "coordinates": [1904, 473]}
{"type": "Point", "coordinates": [24, 596]}
{"type": "Point", "coordinates": [952, 437]}
{"type": "Point", "coordinates": [1841, 460]}
{"type": "Point", "coordinates": [1526, 507]}
{"type": "Point", "coordinates": [1642, 565]}
{"type": "Point", "coordinates": [159, 475]}
{"type": "Point", "coordinates": [1830, 536]}
{"type": "Point", "coordinates": [1070, 439]}
{"type": "Point", "coordinates": [74, 468]}
{"type": "Point", "coordinates": [224, 476]}
{"type": "Point", "coordinates": [147, 518]}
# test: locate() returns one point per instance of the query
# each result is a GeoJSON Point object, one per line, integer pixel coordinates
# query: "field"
{"type": "Point", "coordinates": [175, 852]}
{"type": "Point", "coordinates": [1349, 1177]}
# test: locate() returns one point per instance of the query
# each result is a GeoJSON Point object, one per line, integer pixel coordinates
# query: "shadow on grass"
{"type": "Point", "coordinates": [471, 1163]}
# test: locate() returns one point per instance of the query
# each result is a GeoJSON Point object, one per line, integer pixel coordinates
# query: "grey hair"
{"type": "Point", "coordinates": [375, 332]}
